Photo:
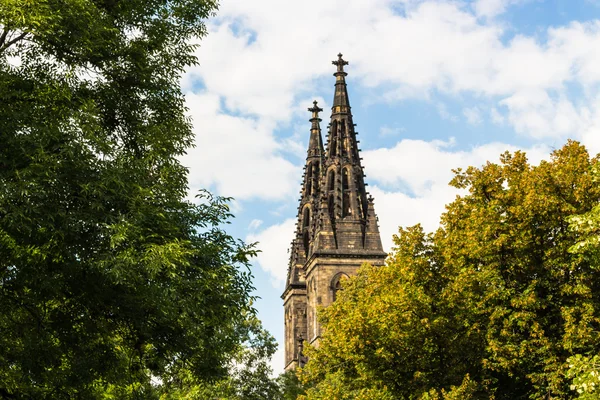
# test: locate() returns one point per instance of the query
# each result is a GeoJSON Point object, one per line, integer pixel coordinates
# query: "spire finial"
{"type": "Point", "coordinates": [340, 62]}
{"type": "Point", "coordinates": [315, 110]}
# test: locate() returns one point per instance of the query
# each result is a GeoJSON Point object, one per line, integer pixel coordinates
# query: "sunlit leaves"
{"type": "Point", "coordinates": [491, 305]}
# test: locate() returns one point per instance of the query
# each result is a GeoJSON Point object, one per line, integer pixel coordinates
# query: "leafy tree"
{"type": "Point", "coordinates": [111, 283]}
{"type": "Point", "coordinates": [290, 387]}
{"type": "Point", "coordinates": [584, 370]}
{"type": "Point", "coordinates": [249, 375]}
{"type": "Point", "coordinates": [585, 375]}
{"type": "Point", "coordinates": [490, 306]}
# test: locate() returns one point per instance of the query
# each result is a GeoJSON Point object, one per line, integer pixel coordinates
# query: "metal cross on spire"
{"type": "Point", "coordinates": [340, 62]}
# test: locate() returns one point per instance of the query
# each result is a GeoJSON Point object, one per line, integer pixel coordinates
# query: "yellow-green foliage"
{"type": "Point", "coordinates": [490, 306]}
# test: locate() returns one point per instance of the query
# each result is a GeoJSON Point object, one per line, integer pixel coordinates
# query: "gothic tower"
{"type": "Point", "coordinates": [337, 228]}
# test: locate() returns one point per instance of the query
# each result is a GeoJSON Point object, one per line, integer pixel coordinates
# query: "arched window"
{"type": "Point", "coordinates": [336, 284]}
{"type": "Point", "coordinates": [306, 218]}
{"type": "Point", "coordinates": [345, 180]}
{"type": "Point", "coordinates": [331, 180]}
{"type": "Point", "coordinates": [308, 183]}
{"type": "Point", "coordinates": [330, 206]}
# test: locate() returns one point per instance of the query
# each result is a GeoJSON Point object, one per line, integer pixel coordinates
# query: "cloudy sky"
{"type": "Point", "coordinates": [434, 85]}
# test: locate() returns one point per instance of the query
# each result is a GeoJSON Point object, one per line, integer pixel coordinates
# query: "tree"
{"type": "Point", "coordinates": [111, 283]}
{"type": "Point", "coordinates": [290, 387]}
{"type": "Point", "coordinates": [490, 306]}
{"type": "Point", "coordinates": [584, 370]}
{"type": "Point", "coordinates": [249, 376]}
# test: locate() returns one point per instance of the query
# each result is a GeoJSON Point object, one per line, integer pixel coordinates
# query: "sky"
{"type": "Point", "coordinates": [434, 85]}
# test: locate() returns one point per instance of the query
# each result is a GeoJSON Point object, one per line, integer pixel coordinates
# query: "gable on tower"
{"type": "Point", "coordinates": [336, 230]}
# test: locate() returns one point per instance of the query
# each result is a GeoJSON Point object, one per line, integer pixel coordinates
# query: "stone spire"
{"type": "Point", "coordinates": [315, 143]}
{"type": "Point", "coordinates": [345, 220]}
{"type": "Point", "coordinates": [341, 103]}
{"type": "Point", "coordinates": [309, 195]}
{"type": "Point", "coordinates": [337, 228]}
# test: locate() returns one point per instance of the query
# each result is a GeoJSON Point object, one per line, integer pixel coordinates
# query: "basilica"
{"type": "Point", "coordinates": [337, 228]}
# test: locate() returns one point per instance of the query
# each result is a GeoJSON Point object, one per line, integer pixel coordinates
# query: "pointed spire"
{"type": "Point", "coordinates": [315, 143]}
{"type": "Point", "coordinates": [341, 104]}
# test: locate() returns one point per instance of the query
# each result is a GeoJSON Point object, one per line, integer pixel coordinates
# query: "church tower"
{"type": "Point", "coordinates": [337, 228]}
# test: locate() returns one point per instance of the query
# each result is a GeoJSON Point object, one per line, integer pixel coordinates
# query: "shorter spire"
{"type": "Point", "coordinates": [315, 144]}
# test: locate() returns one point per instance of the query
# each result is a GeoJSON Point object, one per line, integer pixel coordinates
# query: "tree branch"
{"type": "Point", "coordinates": [4, 34]}
{"type": "Point", "coordinates": [12, 41]}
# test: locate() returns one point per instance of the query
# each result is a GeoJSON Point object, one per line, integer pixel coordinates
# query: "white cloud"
{"type": "Point", "coordinates": [255, 224]}
{"type": "Point", "coordinates": [396, 209]}
{"type": "Point", "coordinates": [445, 114]}
{"type": "Point", "coordinates": [436, 45]}
{"type": "Point", "coordinates": [537, 114]}
{"type": "Point", "coordinates": [390, 131]}
{"type": "Point", "coordinates": [473, 115]}
{"type": "Point", "coordinates": [496, 117]}
{"type": "Point", "coordinates": [425, 169]}
{"type": "Point", "coordinates": [274, 243]}
{"type": "Point", "coordinates": [492, 8]}
{"type": "Point", "coordinates": [238, 155]}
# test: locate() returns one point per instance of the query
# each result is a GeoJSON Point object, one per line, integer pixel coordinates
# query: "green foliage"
{"type": "Point", "coordinates": [112, 285]}
{"type": "Point", "coordinates": [249, 375]}
{"type": "Point", "coordinates": [585, 372]}
{"type": "Point", "coordinates": [290, 386]}
{"type": "Point", "coordinates": [490, 306]}
{"type": "Point", "coordinates": [587, 225]}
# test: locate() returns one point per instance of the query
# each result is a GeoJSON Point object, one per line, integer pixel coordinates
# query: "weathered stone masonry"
{"type": "Point", "coordinates": [337, 228]}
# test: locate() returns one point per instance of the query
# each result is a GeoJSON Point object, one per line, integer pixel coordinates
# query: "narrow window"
{"type": "Point", "coordinates": [333, 142]}
{"type": "Point", "coordinates": [345, 180]}
{"type": "Point", "coordinates": [315, 177]}
{"type": "Point", "coordinates": [306, 218]}
{"type": "Point", "coordinates": [346, 209]}
{"type": "Point", "coordinates": [305, 228]}
{"type": "Point", "coordinates": [344, 139]}
{"type": "Point", "coordinates": [308, 180]}
{"type": "Point", "coordinates": [331, 180]}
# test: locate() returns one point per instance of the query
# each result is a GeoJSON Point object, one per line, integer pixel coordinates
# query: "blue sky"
{"type": "Point", "coordinates": [434, 85]}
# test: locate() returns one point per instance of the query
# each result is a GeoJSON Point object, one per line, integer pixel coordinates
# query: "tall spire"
{"type": "Point", "coordinates": [345, 210]}
{"type": "Point", "coordinates": [341, 104]}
